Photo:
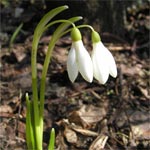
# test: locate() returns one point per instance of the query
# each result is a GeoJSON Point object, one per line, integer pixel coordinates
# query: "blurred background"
{"type": "Point", "coordinates": [128, 20]}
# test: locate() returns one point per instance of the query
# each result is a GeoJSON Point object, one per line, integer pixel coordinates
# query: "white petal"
{"type": "Point", "coordinates": [111, 62]}
{"type": "Point", "coordinates": [72, 68]}
{"type": "Point", "coordinates": [112, 66]}
{"type": "Point", "coordinates": [100, 65]}
{"type": "Point", "coordinates": [84, 61]}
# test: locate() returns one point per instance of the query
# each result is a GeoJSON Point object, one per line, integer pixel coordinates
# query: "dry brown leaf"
{"type": "Point", "coordinates": [21, 129]}
{"type": "Point", "coordinates": [61, 145]}
{"type": "Point", "coordinates": [19, 52]}
{"type": "Point", "coordinates": [141, 131]}
{"type": "Point", "coordinates": [144, 92]}
{"type": "Point", "coordinates": [138, 121]}
{"type": "Point", "coordinates": [85, 132]}
{"type": "Point", "coordinates": [140, 125]}
{"type": "Point", "coordinates": [70, 135]}
{"type": "Point", "coordinates": [131, 71]}
{"type": "Point", "coordinates": [118, 47]}
{"type": "Point", "coordinates": [99, 143]}
{"type": "Point", "coordinates": [60, 54]}
{"type": "Point", "coordinates": [87, 116]}
{"type": "Point", "coordinates": [6, 109]}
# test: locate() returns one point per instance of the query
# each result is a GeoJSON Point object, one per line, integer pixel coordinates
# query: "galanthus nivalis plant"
{"type": "Point", "coordinates": [99, 65]}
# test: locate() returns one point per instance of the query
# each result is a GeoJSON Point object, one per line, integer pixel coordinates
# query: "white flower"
{"type": "Point", "coordinates": [79, 60]}
{"type": "Point", "coordinates": [103, 62]}
{"type": "Point", "coordinates": [100, 64]}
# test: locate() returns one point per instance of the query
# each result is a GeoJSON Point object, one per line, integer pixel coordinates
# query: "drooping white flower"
{"type": "Point", "coordinates": [103, 61]}
{"type": "Point", "coordinates": [79, 59]}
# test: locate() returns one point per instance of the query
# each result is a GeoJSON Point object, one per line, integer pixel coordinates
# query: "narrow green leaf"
{"type": "Point", "coordinates": [37, 34]}
{"type": "Point", "coordinates": [47, 17]}
{"type": "Point", "coordinates": [29, 127]}
{"type": "Point", "coordinates": [52, 140]}
{"type": "Point", "coordinates": [13, 37]}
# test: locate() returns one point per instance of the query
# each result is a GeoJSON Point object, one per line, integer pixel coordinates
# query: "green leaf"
{"type": "Point", "coordinates": [13, 37]}
{"type": "Point", "coordinates": [29, 126]}
{"type": "Point", "coordinates": [47, 17]}
{"type": "Point", "coordinates": [52, 140]}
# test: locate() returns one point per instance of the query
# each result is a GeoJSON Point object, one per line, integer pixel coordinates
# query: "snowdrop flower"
{"type": "Point", "coordinates": [79, 59]}
{"type": "Point", "coordinates": [103, 61]}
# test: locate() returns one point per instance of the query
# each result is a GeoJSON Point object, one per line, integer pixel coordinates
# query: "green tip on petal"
{"type": "Point", "coordinates": [75, 34]}
{"type": "Point", "coordinates": [95, 37]}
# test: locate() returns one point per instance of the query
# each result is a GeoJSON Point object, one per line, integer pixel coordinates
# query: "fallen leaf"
{"type": "Point", "coordinates": [5, 109]}
{"type": "Point", "coordinates": [87, 116]}
{"type": "Point", "coordinates": [85, 131]}
{"type": "Point", "coordinates": [99, 143]}
{"type": "Point", "coordinates": [70, 135]}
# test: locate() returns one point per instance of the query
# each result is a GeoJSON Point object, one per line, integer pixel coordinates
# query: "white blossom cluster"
{"type": "Point", "coordinates": [99, 65]}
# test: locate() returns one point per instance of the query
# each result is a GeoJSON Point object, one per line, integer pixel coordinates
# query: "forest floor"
{"type": "Point", "coordinates": [89, 116]}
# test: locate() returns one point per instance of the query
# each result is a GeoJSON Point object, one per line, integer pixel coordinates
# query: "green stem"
{"type": "Point", "coordinates": [36, 125]}
{"type": "Point", "coordinates": [85, 26]}
{"type": "Point", "coordinates": [43, 81]}
{"type": "Point", "coordinates": [80, 26]}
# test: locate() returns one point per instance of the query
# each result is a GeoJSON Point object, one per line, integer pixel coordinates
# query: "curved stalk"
{"type": "Point", "coordinates": [80, 26]}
